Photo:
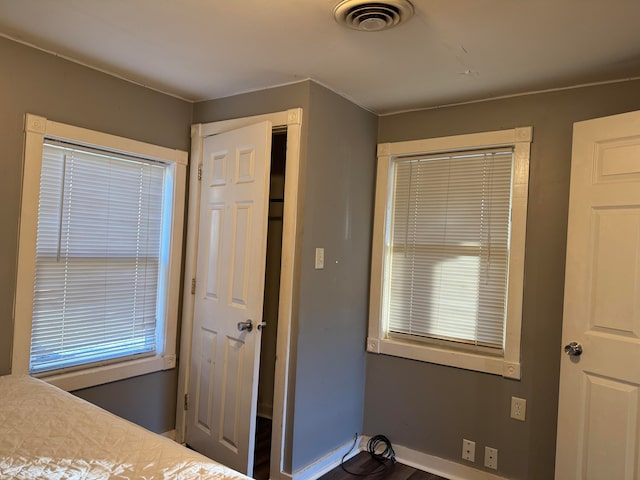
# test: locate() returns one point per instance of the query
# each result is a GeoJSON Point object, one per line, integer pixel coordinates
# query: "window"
{"type": "Point", "coordinates": [447, 265]}
{"type": "Point", "coordinates": [99, 258]}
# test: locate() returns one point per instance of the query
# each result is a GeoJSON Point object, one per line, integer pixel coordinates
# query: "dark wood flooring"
{"type": "Point", "coordinates": [262, 455]}
{"type": "Point", "coordinates": [366, 467]}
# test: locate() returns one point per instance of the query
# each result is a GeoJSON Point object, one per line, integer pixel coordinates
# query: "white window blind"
{"type": "Point", "coordinates": [98, 257]}
{"type": "Point", "coordinates": [448, 248]}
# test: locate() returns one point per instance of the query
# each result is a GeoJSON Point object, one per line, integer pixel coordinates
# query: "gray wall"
{"type": "Point", "coordinates": [255, 103]}
{"type": "Point", "coordinates": [330, 365]}
{"type": "Point", "coordinates": [36, 82]}
{"type": "Point", "coordinates": [431, 408]}
{"type": "Point", "coordinates": [328, 359]}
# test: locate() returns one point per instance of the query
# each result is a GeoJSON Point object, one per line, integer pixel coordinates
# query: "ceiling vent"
{"type": "Point", "coordinates": [370, 16]}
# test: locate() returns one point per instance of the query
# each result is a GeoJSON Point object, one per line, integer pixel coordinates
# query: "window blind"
{"type": "Point", "coordinates": [448, 247]}
{"type": "Point", "coordinates": [97, 257]}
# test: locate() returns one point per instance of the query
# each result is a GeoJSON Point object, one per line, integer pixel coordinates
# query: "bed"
{"type": "Point", "coordinates": [46, 433]}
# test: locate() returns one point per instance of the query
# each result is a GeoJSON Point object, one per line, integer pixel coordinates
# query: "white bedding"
{"type": "Point", "coordinates": [46, 433]}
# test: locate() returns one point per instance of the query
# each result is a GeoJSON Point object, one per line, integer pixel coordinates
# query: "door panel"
{"type": "Point", "coordinates": [231, 391]}
{"type": "Point", "coordinates": [615, 280]}
{"type": "Point", "coordinates": [229, 290]}
{"type": "Point", "coordinates": [203, 405]}
{"type": "Point", "coordinates": [610, 447]}
{"type": "Point", "coordinates": [241, 242]}
{"type": "Point", "coordinates": [216, 233]}
{"type": "Point", "coordinates": [598, 411]}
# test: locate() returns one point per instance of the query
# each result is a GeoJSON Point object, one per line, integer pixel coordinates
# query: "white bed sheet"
{"type": "Point", "coordinates": [46, 433]}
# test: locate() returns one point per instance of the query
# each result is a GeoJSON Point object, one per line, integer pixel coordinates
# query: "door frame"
{"type": "Point", "coordinates": [291, 121]}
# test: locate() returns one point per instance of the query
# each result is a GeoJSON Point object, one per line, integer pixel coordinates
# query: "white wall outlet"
{"type": "Point", "coordinates": [468, 450]}
{"type": "Point", "coordinates": [491, 457]}
{"type": "Point", "coordinates": [319, 258]}
{"type": "Point", "coordinates": [518, 408]}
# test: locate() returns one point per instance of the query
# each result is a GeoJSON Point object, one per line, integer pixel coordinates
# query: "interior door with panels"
{"type": "Point", "coordinates": [599, 407]}
{"type": "Point", "coordinates": [229, 295]}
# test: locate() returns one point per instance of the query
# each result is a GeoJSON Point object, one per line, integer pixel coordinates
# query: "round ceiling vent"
{"type": "Point", "coordinates": [369, 16]}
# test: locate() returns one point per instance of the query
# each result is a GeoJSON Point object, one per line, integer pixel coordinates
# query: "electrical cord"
{"type": "Point", "coordinates": [380, 449]}
{"type": "Point", "coordinates": [387, 452]}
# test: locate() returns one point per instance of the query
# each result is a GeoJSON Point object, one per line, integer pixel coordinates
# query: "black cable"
{"type": "Point", "coordinates": [373, 448]}
{"type": "Point", "coordinates": [375, 442]}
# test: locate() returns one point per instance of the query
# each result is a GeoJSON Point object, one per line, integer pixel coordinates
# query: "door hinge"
{"type": "Point", "coordinates": [199, 173]}
{"type": "Point", "coordinates": [193, 286]}
{"type": "Point", "coordinates": [186, 401]}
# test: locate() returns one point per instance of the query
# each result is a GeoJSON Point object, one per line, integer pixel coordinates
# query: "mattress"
{"type": "Point", "coordinates": [46, 433]}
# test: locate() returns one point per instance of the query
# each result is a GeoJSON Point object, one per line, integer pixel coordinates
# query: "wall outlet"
{"type": "Point", "coordinates": [468, 450]}
{"type": "Point", "coordinates": [491, 457]}
{"type": "Point", "coordinates": [518, 408]}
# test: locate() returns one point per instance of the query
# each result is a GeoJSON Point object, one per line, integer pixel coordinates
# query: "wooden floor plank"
{"type": "Point", "coordinates": [364, 467]}
{"type": "Point", "coordinates": [262, 449]}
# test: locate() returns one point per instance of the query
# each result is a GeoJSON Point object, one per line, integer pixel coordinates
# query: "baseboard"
{"type": "Point", "coordinates": [285, 476]}
{"type": "Point", "coordinates": [439, 466]}
{"type": "Point", "coordinates": [170, 434]}
{"type": "Point", "coordinates": [326, 463]}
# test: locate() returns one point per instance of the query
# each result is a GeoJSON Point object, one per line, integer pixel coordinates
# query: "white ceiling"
{"type": "Point", "coordinates": [450, 51]}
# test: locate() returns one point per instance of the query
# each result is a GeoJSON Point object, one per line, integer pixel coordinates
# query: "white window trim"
{"type": "Point", "coordinates": [36, 129]}
{"type": "Point", "coordinates": [378, 341]}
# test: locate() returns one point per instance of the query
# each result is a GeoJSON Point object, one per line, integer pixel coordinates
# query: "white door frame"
{"type": "Point", "coordinates": [292, 121]}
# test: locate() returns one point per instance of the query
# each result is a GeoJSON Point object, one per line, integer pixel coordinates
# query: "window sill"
{"type": "Point", "coordinates": [445, 356]}
{"type": "Point", "coordinates": [93, 376]}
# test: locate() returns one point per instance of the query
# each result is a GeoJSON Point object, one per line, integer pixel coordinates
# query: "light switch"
{"type": "Point", "coordinates": [319, 258]}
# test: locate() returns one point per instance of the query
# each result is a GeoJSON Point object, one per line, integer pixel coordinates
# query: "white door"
{"type": "Point", "coordinates": [231, 257]}
{"type": "Point", "coordinates": [598, 413]}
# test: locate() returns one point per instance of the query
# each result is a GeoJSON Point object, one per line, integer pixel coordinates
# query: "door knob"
{"type": "Point", "coordinates": [246, 325]}
{"type": "Point", "coordinates": [262, 325]}
{"type": "Point", "coordinates": [574, 349]}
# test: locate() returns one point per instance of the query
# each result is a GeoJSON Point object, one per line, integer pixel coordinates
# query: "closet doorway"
{"type": "Point", "coordinates": [267, 370]}
{"type": "Point", "coordinates": [263, 404]}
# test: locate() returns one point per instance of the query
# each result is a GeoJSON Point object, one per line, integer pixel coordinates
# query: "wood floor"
{"type": "Point", "coordinates": [363, 466]}
{"type": "Point", "coordinates": [262, 455]}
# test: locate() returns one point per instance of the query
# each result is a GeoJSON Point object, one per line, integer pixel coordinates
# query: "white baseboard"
{"type": "Point", "coordinates": [413, 458]}
{"type": "Point", "coordinates": [327, 463]}
{"type": "Point", "coordinates": [285, 476]}
{"type": "Point", "coordinates": [170, 434]}
{"type": "Point", "coordinates": [439, 466]}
